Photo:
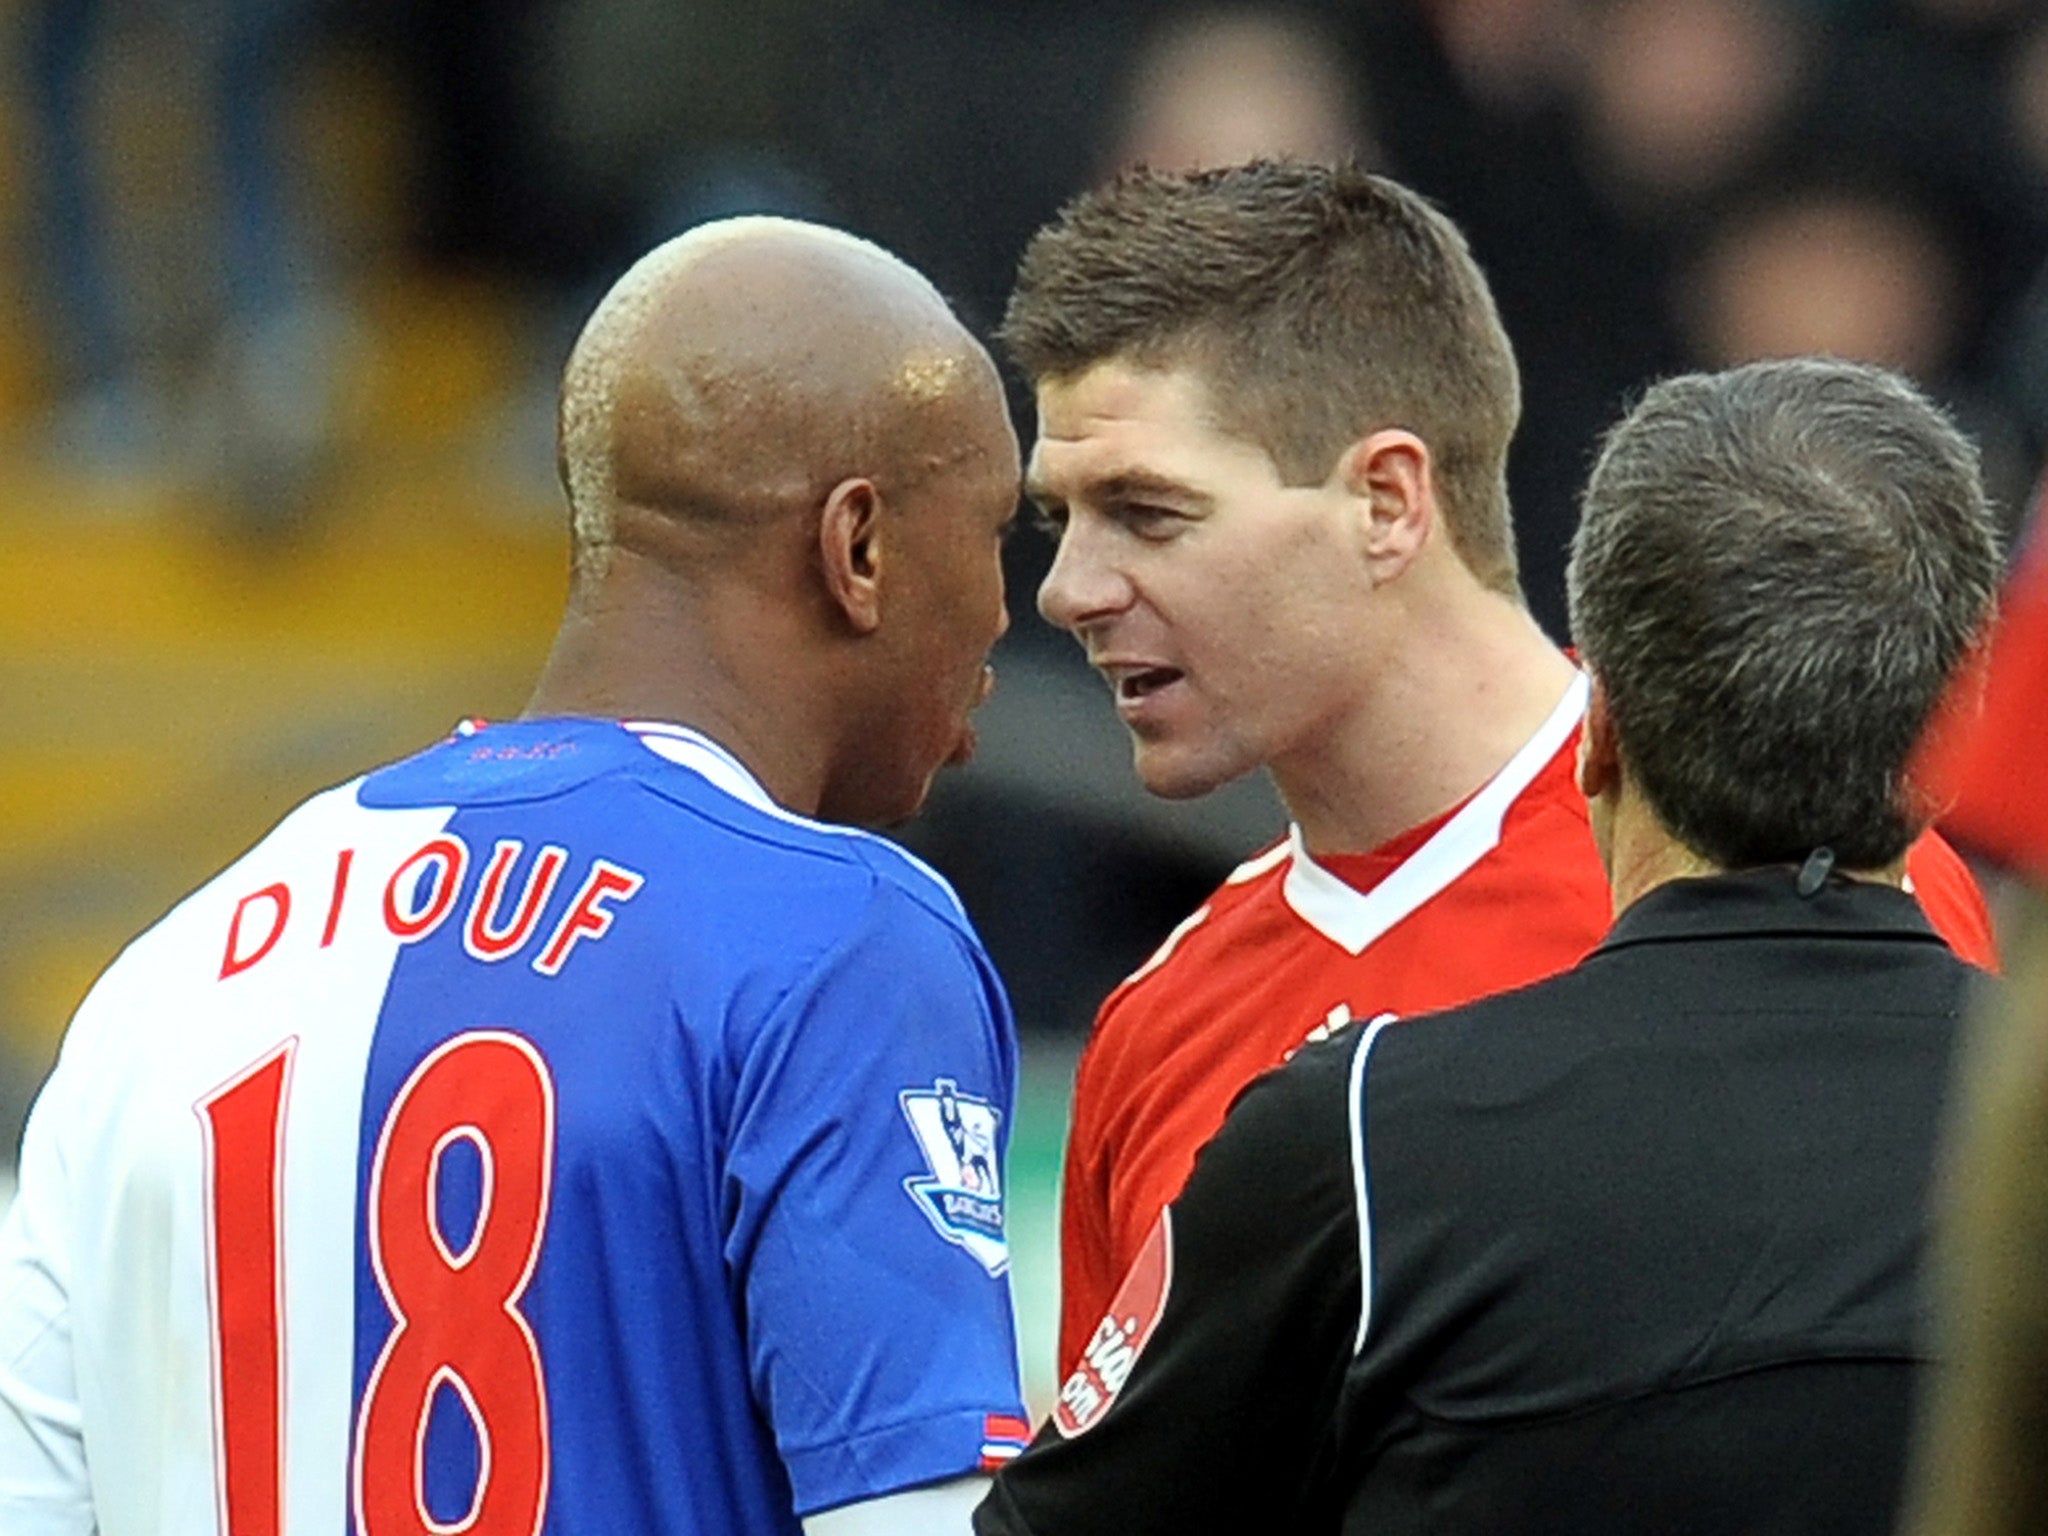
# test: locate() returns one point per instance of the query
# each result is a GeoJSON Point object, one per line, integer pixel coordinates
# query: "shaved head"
{"type": "Point", "coordinates": [789, 470]}
{"type": "Point", "coordinates": [737, 373]}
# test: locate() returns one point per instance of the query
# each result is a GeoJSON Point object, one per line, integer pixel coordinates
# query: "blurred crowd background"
{"type": "Point", "coordinates": [289, 283]}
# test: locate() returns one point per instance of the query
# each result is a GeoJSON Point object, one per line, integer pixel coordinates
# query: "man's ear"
{"type": "Point", "coordinates": [1599, 755]}
{"type": "Point", "coordinates": [1393, 477]}
{"type": "Point", "coordinates": [850, 552]}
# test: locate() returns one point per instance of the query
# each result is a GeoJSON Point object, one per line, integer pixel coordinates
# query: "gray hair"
{"type": "Point", "coordinates": [1776, 571]}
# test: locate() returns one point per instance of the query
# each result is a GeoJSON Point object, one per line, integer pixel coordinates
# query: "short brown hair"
{"type": "Point", "coordinates": [1320, 302]}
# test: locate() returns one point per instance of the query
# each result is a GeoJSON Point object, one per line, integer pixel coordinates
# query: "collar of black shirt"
{"type": "Point", "coordinates": [1767, 901]}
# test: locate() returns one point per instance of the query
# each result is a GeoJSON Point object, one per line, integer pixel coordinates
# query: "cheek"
{"type": "Point", "coordinates": [1274, 619]}
{"type": "Point", "coordinates": [993, 587]}
{"type": "Point", "coordinates": [981, 596]}
{"type": "Point", "coordinates": [964, 616]}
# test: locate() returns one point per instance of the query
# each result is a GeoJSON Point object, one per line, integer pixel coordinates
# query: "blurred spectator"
{"type": "Point", "coordinates": [950, 129]}
{"type": "Point", "coordinates": [1225, 86]}
{"type": "Point", "coordinates": [1828, 270]}
{"type": "Point", "coordinates": [1633, 171]}
{"type": "Point", "coordinates": [211, 346]}
{"type": "Point", "coordinates": [1853, 268]}
{"type": "Point", "coordinates": [664, 115]}
{"type": "Point", "coordinates": [487, 196]}
{"type": "Point", "coordinates": [1509, 56]}
{"type": "Point", "coordinates": [1870, 267]}
{"type": "Point", "coordinates": [1681, 95]}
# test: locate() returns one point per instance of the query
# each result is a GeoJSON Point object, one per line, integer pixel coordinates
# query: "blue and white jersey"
{"type": "Point", "coordinates": [547, 1133]}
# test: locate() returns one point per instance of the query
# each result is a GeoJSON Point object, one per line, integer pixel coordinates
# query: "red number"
{"type": "Point", "coordinates": [243, 1121]}
{"type": "Point", "coordinates": [456, 1317]}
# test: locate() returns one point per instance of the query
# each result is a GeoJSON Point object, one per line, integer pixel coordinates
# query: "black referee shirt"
{"type": "Point", "coordinates": [1643, 1247]}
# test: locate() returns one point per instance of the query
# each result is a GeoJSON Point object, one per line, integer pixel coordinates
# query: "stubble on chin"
{"type": "Point", "coordinates": [1169, 779]}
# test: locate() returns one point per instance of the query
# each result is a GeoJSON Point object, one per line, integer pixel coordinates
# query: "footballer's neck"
{"type": "Point", "coordinates": [1464, 679]}
{"type": "Point", "coordinates": [1642, 854]}
{"type": "Point", "coordinates": [637, 645]}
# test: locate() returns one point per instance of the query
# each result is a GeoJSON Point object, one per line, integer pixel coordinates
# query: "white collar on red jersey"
{"type": "Point", "coordinates": [1353, 919]}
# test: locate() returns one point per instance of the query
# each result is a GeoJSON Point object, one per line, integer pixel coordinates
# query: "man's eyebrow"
{"type": "Point", "coordinates": [1121, 485]}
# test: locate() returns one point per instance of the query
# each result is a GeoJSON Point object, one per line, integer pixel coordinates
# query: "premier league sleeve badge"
{"type": "Point", "coordinates": [961, 1193]}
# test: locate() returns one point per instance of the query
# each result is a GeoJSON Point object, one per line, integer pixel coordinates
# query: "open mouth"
{"type": "Point", "coordinates": [1132, 686]}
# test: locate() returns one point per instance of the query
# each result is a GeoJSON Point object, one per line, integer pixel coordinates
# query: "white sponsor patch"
{"type": "Point", "coordinates": [962, 1193]}
{"type": "Point", "coordinates": [1106, 1364]}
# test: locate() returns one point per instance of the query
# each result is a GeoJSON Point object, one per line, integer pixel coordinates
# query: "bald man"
{"type": "Point", "coordinates": [580, 1126]}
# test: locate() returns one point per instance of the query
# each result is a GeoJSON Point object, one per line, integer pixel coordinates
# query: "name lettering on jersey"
{"type": "Point", "coordinates": [343, 863]}
{"type": "Point", "coordinates": [482, 937]}
{"type": "Point", "coordinates": [243, 953]}
{"type": "Point", "coordinates": [424, 891]}
{"type": "Point", "coordinates": [1112, 1353]}
{"type": "Point", "coordinates": [961, 1193]}
{"type": "Point", "coordinates": [588, 917]}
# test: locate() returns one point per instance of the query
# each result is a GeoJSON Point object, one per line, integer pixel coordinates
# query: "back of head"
{"type": "Point", "coordinates": [1776, 571]}
{"type": "Point", "coordinates": [740, 370]}
{"type": "Point", "coordinates": [1319, 303]}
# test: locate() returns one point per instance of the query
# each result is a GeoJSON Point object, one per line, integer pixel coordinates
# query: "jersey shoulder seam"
{"type": "Point", "coordinates": [886, 862]}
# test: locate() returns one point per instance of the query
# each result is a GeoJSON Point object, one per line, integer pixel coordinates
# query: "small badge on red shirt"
{"type": "Point", "coordinates": [1106, 1364]}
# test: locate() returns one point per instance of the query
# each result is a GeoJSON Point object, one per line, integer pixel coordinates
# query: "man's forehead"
{"type": "Point", "coordinates": [1120, 390]}
{"type": "Point", "coordinates": [1125, 423]}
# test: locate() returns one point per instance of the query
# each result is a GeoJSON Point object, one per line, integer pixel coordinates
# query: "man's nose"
{"type": "Point", "coordinates": [1083, 585]}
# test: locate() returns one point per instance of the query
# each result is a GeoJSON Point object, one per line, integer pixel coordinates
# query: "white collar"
{"type": "Point", "coordinates": [1353, 919]}
{"type": "Point", "coordinates": [706, 758]}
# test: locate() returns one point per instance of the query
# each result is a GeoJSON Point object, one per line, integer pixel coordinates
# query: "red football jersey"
{"type": "Point", "coordinates": [1502, 891]}
{"type": "Point", "coordinates": [1993, 768]}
